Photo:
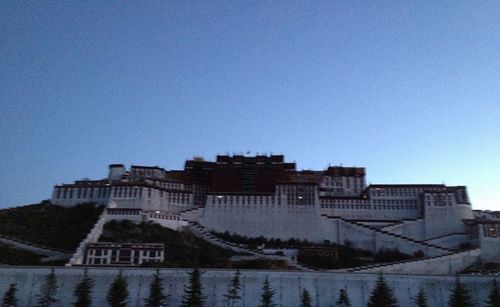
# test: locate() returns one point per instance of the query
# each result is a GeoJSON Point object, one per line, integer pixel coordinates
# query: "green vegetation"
{"type": "Point", "coordinates": [392, 255]}
{"type": "Point", "coordinates": [83, 291]}
{"type": "Point", "coordinates": [50, 225]}
{"type": "Point", "coordinates": [183, 249]}
{"type": "Point", "coordinates": [257, 242]}
{"type": "Point", "coordinates": [494, 295]}
{"type": "Point", "coordinates": [261, 264]}
{"type": "Point", "coordinates": [483, 269]}
{"type": "Point", "coordinates": [420, 299]}
{"type": "Point", "coordinates": [48, 291]}
{"type": "Point", "coordinates": [266, 299]}
{"type": "Point", "coordinates": [156, 296]}
{"type": "Point", "coordinates": [13, 256]}
{"type": "Point", "coordinates": [343, 300]}
{"type": "Point", "coordinates": [118, 292]}
{"type": "Point", "coordinates": [9, 298]}
{"type": "Point", "coordinates": [305, 299]}
{"type": "Point", "coordinates": [193, 296]}
{"type": "Point", "coordinates": [382, 295]}
{"type": "Point", "coordinates": [349, 256]}
{"type": "Point", "coordinates": [233, 295]}
{"type": "Point", "coordinates": [460, 296]}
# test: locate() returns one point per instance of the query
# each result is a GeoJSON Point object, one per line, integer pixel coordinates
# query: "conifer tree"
{"type": "Point", "coordinates": [233, 293]}
{"type": "Point", "coordinates": [343, 300]}
{"type": "Point", "coordinates": [494, 295]}
{"type": "Point", "coordinates": [9, 299]}
{"type": "Point", "coordinates": [266, 299]}
{"type": "Point", "coordinates": [305, 299]}
{"type": "Point", "coordinates": [420, 299]}
{"type": "Point", "coordinates": [460, 296]}
{"type": "Point", "coordinates": [156, 296]}
{"type": "Point", "coordinates": [83, 291]}
{"type": "Point", "coordinates": [193, 296]}
{"type": "Point", "coordinates": [382, 295]}
{"type": "Point", "coordinates": [118, 292]}
{"type": "Point", "coordinates": [48, 291]}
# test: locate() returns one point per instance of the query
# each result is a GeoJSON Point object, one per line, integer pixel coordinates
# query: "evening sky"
{"type": "Point", "coordinates": [408, 89]}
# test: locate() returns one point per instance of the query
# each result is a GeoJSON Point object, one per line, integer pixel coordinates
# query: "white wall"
{"type": "Point", "coordinates": [167, 220]}
{"type": "Point", "coordinates": [451, 241]}
{"type": "Point", "coordinates": [411, 229]}
{"type": "Point", "coordinates": [490, 246]}
{"type": "Point", "coordinates": [448, 264]}
{"type": "Point", "coordinates": [269, 220]}
{"type": "Point", "coordinates": [323, 287]}
{"type": "Point", "coordinates": [442, 220]}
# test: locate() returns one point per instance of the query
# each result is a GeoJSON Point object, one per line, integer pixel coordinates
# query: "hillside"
{"type": "Point", "coordinates": [182, 249]}
{"type": "Point", "coordinates": [14, 256]}
{"type": "Point", "coordinates": [50, 225]}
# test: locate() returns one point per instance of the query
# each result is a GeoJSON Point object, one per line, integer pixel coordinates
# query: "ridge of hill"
{"type": "Point", "coordinates": [50, 225]}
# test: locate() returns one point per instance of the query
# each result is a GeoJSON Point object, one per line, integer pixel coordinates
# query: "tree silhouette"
{"type": "Point", "coordinates": [382, 295]}
{"type": "Point", "coordinates": [118, 292]}
{"type": "Point", "coordinates": [420, 299]}
{"type": "Point", "coordinates": [193, 296]}
{"type": "Point", "coordinates": [305, 299]}
{"type": "Point", "coordinates": [343, 300]}
{"type": "Point", "coordinates": [460, 296]}
{"type": "Point", "coordinates": [156, 296]}
{"type": "Point", "coordinates": [233, 293]}
{"type": "Point", "coordinates": [83, 291]}
{"type": "Point", "coordinates": [266, 299]}
{"type": "Point", "coordinates": [48, 291]}
{"type": "Point", "coordinates": [494, 295]}
{"type": "Point", "coordinates": [9, 299]}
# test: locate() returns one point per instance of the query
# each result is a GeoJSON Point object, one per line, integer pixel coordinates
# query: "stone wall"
{"type": "Point", "coordinates": [451, 241]}
{"type": "Point", "coordinates": [269, 220]}
{"type": "Point", "coordinates": [447, 264]}
{"type": "Point", "coordinates": [323, 287]}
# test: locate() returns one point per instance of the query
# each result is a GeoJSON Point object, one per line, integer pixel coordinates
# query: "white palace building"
{"type": "Point", "coordinates": [266, 196]}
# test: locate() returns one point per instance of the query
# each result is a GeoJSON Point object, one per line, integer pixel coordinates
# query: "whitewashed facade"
{"type": "Point", "coordinates": [334, 205]}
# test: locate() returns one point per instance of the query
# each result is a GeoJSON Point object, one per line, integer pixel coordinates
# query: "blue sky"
{"type": "Point", "coordinates": [410, 90]}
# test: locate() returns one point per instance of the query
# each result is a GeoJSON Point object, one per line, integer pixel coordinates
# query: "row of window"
{"type": "Point", "coordinates": [127, 260]}
{"type": "Point", "coordinates": [83, 193]}
{"type": "Point", "coordinates": [123, 212]}
{"type": "Point", "coordinates": [115, 253]}
{"type": "Point", "coordinates": [395, 201]}
{"type": "Point", "coordinates": [141, 172]}
{"type": "Point", "coordinates": [491, 230]}
{"type": "Point", "coordinates": [344, 201]}
{"type": "Point", "coordinates": [165, 217]}
{"type": "Point", "coordinates": [121, 191]}
{"type": "Point", "coordinates": [237, 199]}
{"type": "Point", "coordinates": [168, 185]}
{"type": "Point", "coordinates": [399, 193]}
{"type": "Point", "coordinates": [174, 197]}
{"type": "Point", "coordinates": [124, 191]}
{"type": "Point", "coordinates": [439, 200]}
{"type": "Point", "coordinates": [382, 207]}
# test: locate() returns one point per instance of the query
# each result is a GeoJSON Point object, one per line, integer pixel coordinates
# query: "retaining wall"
{"type": "Point", "coordinates": [323, 287]}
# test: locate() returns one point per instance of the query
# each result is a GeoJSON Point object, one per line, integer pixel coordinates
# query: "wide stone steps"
{"type": "Point", "coordinates": [394, 235]}
{"type": "Point", "coordinates": [385, 265]}
{"type": "Point", "coordinates": [203, 233]}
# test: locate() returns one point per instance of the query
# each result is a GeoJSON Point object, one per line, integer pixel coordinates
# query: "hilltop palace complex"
{"type": "Point", "coordinates": [265, 196]}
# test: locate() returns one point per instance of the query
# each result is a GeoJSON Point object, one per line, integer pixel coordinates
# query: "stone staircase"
{"type": "Point", "coordinates": [395, 236]}
{"type": "Point", "coordinates": [386, 267]}
{"type": "Point", "coordinates": [78, 257]}
{"type": "Point", "coordinates": [190, 214]}
{"type": "Point", "coordinates": [408, 239]}
{"type": "Point", "coordinates": [49, 252]}
{"type": "Point", "coordinates": [201, 232]}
